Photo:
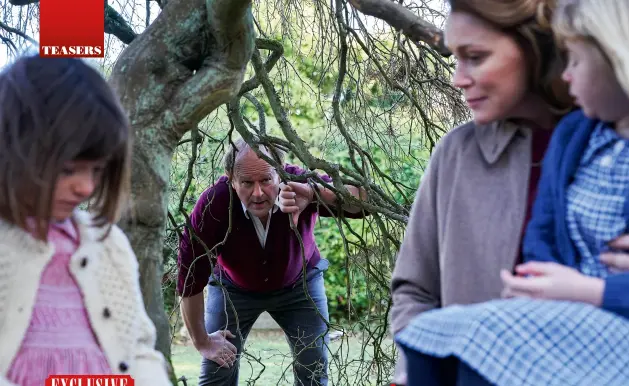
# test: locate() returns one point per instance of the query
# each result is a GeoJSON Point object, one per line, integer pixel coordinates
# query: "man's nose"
{"type": "Point", "coordinates": [257, 189]}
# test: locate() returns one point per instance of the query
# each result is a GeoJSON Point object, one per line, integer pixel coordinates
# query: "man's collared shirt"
{"type": "Point", "coordinates": [261, 230]}
{"type": "Point", "coordinates": [229, 235]}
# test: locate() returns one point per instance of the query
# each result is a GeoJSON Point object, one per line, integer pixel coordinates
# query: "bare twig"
{"type": "Point", "coordinates": [401, 18]}
{"type": "Point", "coordinates": [116, 25]}
{"type": "Point", "coordinates": [18, 33]}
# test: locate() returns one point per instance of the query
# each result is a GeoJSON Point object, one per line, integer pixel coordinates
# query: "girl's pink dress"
{"type": "Point", "coordinates": [59, 339]}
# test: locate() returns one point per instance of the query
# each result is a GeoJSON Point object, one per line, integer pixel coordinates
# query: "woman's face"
{"type": "Point", "coordinates": [491, 69]}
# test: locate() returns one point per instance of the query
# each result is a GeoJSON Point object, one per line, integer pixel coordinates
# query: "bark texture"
{"type": "Point", "coordinates": [188, 62]}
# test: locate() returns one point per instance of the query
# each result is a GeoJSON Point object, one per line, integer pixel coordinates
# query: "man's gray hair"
{"type": "Point", "coordinates": [240, 147]}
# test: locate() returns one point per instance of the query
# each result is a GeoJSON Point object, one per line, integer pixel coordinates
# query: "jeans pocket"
{"type": "Point", "coordinates": [317, 270]}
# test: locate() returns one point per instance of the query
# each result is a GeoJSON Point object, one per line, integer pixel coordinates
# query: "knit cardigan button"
{"type": "Point", "coordinates": [123, 367]}
{"type": "Point", "coordinates": [83, 262]}
{"type": "Point", "coordinates": [106, 313]}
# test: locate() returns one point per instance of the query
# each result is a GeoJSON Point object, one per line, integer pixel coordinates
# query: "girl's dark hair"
{"type": "Point", "coordinates": [529, 23]}
{"type": "Point", "coordinates": [54, 111]}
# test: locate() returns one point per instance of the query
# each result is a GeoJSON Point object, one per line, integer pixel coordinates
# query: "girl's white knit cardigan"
{"type": "Point", "coordinates": [107, 273]}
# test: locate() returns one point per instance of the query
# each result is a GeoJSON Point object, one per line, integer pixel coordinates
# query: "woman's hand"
{"type": "Point", "coordinates": [618, 261]}
{"type": "Point", "coordinates": [546, 280]}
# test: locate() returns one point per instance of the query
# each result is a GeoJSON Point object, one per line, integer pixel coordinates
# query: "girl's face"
{"type": "Point", "coordinates": [75, 185]}
{"type": "Point", "coordinates": [593, 84]}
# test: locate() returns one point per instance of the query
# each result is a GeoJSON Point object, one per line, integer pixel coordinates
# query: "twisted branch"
{"type": "Point", "coordinates": [18, 33]}
{"type": "Point", "coordinates": [402, 19]}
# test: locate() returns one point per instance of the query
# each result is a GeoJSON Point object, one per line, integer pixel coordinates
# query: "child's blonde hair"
{"type": "Point", "coordinates": [605, 23]}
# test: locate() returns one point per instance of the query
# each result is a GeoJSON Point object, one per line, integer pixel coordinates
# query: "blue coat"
{"type": "Point", "coordinates": [547, 237]}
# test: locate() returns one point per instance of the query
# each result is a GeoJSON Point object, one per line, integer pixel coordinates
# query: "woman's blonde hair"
{"type": "Point", "coordinates": [529, 23]}
{"type": "Point", "coordinates": [605, 23]}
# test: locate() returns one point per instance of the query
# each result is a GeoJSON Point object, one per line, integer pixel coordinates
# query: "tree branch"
{"type": "Point", "coordinates": [231, 22]}
{"type": "Point", "coordinates": [222, 72]}
{"type": "Point", "coordinates": [169, 78]}
{"type": "Point", "coordinates": [9, 43]}
{"type": "Point", "coordinates": [116, 25]}
{"type": "Point", "coordinates": [196, 62]}
{"type": "Point", "coordinates": [18, 33]}
{"type": "Point", "coordinates": [401, 18]}
{"type": "Point", "coordinates": [277, 50]}
{"type": "Point", "coordinates": [299, 147]}
{"type": "Point", "coordinates": [23, 2]}
{"type": "Point", "coordinates": [261, 114]}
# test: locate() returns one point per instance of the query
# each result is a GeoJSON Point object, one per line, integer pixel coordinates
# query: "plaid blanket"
{"type": "Point", "coordinates": [520, 341]}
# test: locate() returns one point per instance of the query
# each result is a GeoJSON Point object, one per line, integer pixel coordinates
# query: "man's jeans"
{"type": "Point", "coordinates": [291, 308]}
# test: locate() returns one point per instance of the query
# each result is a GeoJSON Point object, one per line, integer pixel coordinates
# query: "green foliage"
{"type": "Point", "coordinates": [338, 278]}
{"type": "Point", "coordinates": [343, 269]}
{"type": "Point", "coordinates": [349, 295]}
{"type": "Point", "coordinates": [371, 111]}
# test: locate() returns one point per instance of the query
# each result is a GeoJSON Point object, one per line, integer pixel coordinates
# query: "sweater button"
{"type": "Point", "coordinates": [123, 367]}
{"type": "Point", "coordinates": [106, 312]}
{"type": "Point", "coordinates": [83, 262]}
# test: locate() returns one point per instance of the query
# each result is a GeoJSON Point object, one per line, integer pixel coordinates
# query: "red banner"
{"type": "Point", "coordinates": [72, 28]}
{"type": "Point", "coordinates": [89, 380]}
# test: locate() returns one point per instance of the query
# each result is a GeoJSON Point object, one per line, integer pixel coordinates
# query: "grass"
{"type": "Point", "coordinates": [272, 363]}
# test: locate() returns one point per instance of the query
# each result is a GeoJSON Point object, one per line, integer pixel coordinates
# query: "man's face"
{"type": "Point", "coordinates": [256, 183]}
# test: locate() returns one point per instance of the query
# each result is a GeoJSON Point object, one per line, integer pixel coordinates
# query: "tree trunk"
{"type": "Point", "coordinates": [188, 62]}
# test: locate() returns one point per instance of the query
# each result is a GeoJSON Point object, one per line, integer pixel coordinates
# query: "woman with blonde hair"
{"type": "Point", "coordinates": [476, 195]}
{"type": "Point", "coordinates": [567, 319]}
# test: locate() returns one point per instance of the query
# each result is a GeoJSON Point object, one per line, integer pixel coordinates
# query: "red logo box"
{"type": "Point", "coordinates": [72, 29]}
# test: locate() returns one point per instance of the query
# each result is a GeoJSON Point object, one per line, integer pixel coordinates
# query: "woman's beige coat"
{"type": "Point", "coordinates": [466, 220]}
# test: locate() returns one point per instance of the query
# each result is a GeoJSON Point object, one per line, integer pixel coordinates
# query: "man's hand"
{"type": "Point", "coordinates": [218, 349]}
{"type": "Point", "coordinates": [547, 280]}
{"type": "Point", "coordinates": [294, 197]}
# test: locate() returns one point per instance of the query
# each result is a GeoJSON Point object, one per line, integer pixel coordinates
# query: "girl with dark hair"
{"type": "Point", "coordinates": [70, 300]}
